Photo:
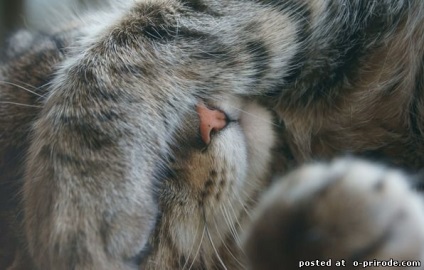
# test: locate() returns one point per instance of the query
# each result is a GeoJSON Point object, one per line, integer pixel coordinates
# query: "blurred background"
{"type": "Point", "coordinates": [11, 15]}
{"type": "Point", "coordinates": [37, 14]}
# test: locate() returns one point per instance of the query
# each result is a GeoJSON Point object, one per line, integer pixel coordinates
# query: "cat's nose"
{"type": "Point", "coordinates": [211, 121]}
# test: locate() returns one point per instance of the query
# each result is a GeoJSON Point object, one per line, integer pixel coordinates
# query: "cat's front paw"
{"type": "Point", "coordinates": [347, 213]}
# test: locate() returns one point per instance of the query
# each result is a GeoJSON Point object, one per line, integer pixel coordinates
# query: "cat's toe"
{"type": "Point", "coordinates": [347, 213]}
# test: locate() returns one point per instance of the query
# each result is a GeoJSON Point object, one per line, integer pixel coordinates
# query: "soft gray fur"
{"type": "Point", "coordinates": [102, 165]}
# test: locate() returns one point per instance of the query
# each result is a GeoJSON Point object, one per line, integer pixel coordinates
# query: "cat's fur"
{"type": "Point", "coordinates": [99, 132]}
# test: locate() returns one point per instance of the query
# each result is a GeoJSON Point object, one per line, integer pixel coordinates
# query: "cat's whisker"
{"type": "Point", "coordinates": [236, 197]}
{"type": "Point", "coordinates": [20, 104]}
{"type": "Point", "coordinates": [247, 197]}
{"type": "Point", "coordinates": [226, 247]}
{"type": "Point", "coordinates": [245, 209]}
{"type": "Point", "coordinates": [241, 198]}
{"type": "Point", "coordinates": [198, 249]}
{"type": "Point", "coordinates": [21, 87]}
{"type": "Point", "coordinates": [192, 246]}
{"type": "Point", "coordinates": [238, 241]}
{"type": "Point", "coordinates": [26, 84]}
{"type": "Point", "coordinates": [253, 185]}
{"type": "Point", "coordinates": [46, 85]}
{"type": "Point", "coordinates": [231, 208]}
{"type": "Point", "coordinates": [228, 222]}
{"type": "Point", "coordinates": [210, 240]}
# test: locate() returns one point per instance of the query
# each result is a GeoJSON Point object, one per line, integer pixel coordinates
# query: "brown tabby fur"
{"type": "Point", "coordinates": [100, 161]}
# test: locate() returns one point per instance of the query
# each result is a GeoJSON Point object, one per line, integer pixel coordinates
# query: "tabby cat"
{"type": "Point", "coordinates": [142, 136]}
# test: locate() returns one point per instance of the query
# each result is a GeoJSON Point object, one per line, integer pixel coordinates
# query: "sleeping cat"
{"type": "Point", "coordinates": [109, 158]}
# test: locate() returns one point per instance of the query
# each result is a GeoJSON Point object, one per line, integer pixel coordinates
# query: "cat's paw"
{"type": "Point", "coordinates": [346, 213]}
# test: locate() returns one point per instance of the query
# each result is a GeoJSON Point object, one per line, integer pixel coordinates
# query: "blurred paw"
{"type": "Point", "coordinates": [346, 213]}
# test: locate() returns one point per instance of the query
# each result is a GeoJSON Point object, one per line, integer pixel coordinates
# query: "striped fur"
{"type": "Point", "coordinates": [94, 131]}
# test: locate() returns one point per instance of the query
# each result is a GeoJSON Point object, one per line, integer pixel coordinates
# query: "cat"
{"type": "Point", "coordinates": [105, 139]}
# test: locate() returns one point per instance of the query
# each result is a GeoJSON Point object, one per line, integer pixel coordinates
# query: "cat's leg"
{"type": "Point", "coordinates": [346, 213]}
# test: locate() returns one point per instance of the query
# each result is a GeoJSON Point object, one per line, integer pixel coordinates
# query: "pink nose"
{"type": "Point", "coordinates": [211, 120]}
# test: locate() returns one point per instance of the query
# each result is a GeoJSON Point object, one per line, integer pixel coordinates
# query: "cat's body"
{"type": "Point", "coordinates": [100, 144]}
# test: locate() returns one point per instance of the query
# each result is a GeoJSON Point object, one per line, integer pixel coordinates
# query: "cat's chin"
{"type": "Point", "coordinates": [241, 154]}
{"type": "Point", "coordinates": [247, 140]}
{"type": "Point", "coordinates": [217, 184]}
